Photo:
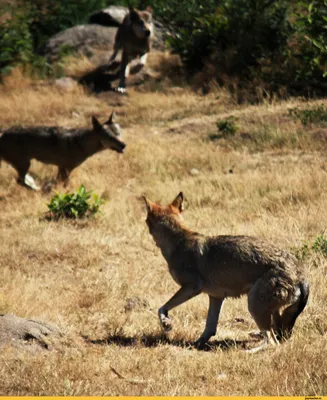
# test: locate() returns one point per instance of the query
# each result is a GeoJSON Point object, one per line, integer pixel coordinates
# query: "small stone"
{"type": "Point", "coordinates": [194, 171]}
{"type": "Point", "coordinates": [221, 376]}
{"type": "Point", "coordinates": [66, 83]}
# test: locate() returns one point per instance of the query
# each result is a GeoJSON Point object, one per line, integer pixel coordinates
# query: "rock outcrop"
{"type": "Point", "coordinates": [21, 332]}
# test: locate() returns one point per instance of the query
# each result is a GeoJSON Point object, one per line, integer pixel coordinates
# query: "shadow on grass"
{"type": "Point", "coordinates": [99, 80]}
{"type": "Point", "coordinates": [161, 339]}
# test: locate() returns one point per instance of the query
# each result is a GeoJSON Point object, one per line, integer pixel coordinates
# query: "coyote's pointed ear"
{"type": "Point", "coordinates": [111, 118]}
{"type": "Point", "coordinates": [132, 11]}
{"type": "Point", "coordinates": [179, 202]}
{"type": "Point", "coordinates": [96, 124]}
{"type": "Point", "coordinates": [134, 15]}
{"type": "Point", "coordinates": [148, 204]}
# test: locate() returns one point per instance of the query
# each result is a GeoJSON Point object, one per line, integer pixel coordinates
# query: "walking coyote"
{"type": "Point", "coordinates": [228, 266]}
{"type": "Point", "coordinates": [134, 38]}
{"type": "Point", "coordinates": [66, 148]}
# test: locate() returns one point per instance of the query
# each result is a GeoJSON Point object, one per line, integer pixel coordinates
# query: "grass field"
{"type": "Point", "coordinates": [102, 280]}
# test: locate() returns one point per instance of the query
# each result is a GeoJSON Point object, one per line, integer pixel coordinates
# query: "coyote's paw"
{"type": "Point", "coordinates": [30, 183]}
{"type": "Point", "coordinates": [120, 90]}
{"type": "Point", "coordinates": [200, 344]}
{"type": "Point", "coordinates": [165, 322]}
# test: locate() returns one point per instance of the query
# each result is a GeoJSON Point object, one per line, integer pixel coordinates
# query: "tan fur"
{"type": "Point", "coordinates": [228, 266]}
{"type": "Point", "coordinates": [134, 38]}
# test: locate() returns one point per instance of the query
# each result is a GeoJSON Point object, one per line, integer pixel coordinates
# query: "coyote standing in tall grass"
{"type": "Point", "coordinates": [134, 38]}
{"type": "Point", "coordinates": [228, 266]}
{"type": "Point", "coordinates": [66, 148]}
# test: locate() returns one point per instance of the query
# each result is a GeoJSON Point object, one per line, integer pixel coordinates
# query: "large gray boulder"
{"type": "Point", "coordinates": [83, 39]}
{"type": "Point", "coordinates": [111, 16]}
{"type": "Point", "coordinates": [21, 332]}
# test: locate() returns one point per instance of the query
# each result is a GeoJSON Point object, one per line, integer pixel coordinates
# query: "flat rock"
{"type": "Point", "coordinates": [21, 332]}
{"type": "Point", "coordinates": [67, 84]}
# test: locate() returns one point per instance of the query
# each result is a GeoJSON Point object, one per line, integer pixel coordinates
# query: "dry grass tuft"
{"type": "Point", "coordinates": [104, 279]}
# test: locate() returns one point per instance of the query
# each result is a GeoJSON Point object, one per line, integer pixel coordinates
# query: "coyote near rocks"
{"type": "Point", "coordinates": [134, 38]}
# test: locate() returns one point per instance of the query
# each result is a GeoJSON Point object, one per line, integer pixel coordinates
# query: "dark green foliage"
{"type": "Point", "coordinates": [317, 114]}
{"type": "Point", "coordinates": [280, 44]}
{"type": "Point", "coordinates": [310, 27]}
{"type": "Point", "coordinates": [16, 45]}
{"type": "Point", "coordinates": [245, 30]}
{"type": "Point", "coordinates": [74, 205]}
{"type": "Point", "coordinates": [31, 23]}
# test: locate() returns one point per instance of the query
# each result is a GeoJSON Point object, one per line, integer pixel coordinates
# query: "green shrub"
{"type": "Point", "coordinates": [318, 246]}
{"type": "Point", "coordinates": [74, 205]}
{"type": "Point", "coordinates": [301, 252]}
{"type": "Point", "coordinates": [280, 45]}
{"type": "Point", "coordinates": [243, 31]}
{"type": "Point", "coordinates": [226, 128]}
{"type": "Point", "coordinates": [16, 42]}
{"type": "Point", "coordinates": [316, 114]}
{"type": "Point", "coordinates": [310, 26]}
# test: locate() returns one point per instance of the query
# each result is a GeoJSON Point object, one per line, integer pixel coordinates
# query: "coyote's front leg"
{"type": "Point", "coordinates": [124, 72]}
{"type": "Point", "coordinates": [212, 322]}
{"type": "Point", "coordinates": [185, 293]}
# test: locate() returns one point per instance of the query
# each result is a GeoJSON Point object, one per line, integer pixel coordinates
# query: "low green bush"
{"type": "Point", "coordinates": [316, 114]}
{"type": "Point", "coordinates": [317, 246]}
{"type": "Point", "coordinates": [74, 205]}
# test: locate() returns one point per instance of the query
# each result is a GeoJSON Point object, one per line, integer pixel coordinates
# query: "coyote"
{"type": "Point", "coordinates": [134, 38]}
{"type": "Point", "coordinates": [228, 266]}
{"type": "Point", "coordinates": [66, 148]}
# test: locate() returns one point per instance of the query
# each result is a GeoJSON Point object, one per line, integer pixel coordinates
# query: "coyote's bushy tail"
{"type": "Point", "coordinates": [284, 323]}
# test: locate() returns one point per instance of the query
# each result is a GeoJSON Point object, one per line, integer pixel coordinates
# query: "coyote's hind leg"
{"type": "Point", "coordinates": [264, 302]}
{"type": "Point", "coordinates": [63, 175]}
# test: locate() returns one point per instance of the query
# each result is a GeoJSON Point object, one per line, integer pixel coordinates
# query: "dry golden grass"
{"type": "Point", "coordinates": [80, 275]}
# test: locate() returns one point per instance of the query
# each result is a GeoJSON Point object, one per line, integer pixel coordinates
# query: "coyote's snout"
{"type": "Point", "coordinates": [134, 38]}
{"type": "Point", "coordinates": [66, 148]}
{"type": "Point", "coordinates": [228, 266]}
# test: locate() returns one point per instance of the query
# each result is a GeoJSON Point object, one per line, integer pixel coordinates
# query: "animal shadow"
{"type": "Point", "coordinates": [99, 80]}
{"type": "Point", "coordinates": [150, 341]}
